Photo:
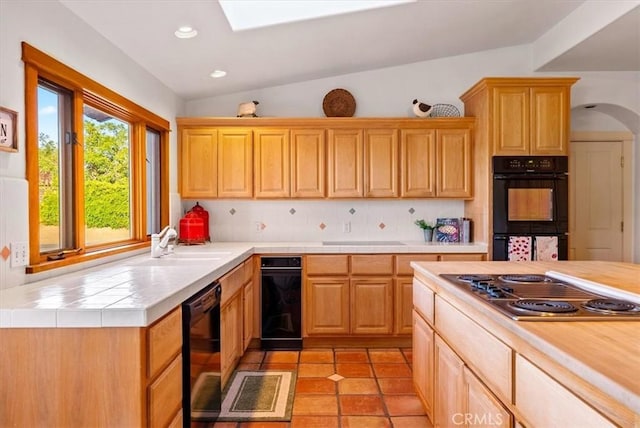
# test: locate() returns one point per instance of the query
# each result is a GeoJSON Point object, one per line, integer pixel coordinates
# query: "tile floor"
{"type": "Point", "coordinates": [343, 388]}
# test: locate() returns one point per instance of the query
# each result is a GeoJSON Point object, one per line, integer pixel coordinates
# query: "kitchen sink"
{"type": "Point", "coordinates": [362, 243]}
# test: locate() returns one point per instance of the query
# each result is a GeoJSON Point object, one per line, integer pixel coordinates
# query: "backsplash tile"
{"type": "Point", "coordinates": [322, 220]}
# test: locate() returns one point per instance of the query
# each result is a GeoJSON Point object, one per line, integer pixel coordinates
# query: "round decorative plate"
{"type": "Point", "coordinates": [339, 103]}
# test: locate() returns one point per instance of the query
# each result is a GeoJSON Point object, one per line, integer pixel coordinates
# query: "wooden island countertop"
{"type": "Point", "coordinates": [599, 361]}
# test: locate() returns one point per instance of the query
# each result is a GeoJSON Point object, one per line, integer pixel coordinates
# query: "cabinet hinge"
{"type": "Point", "coordinates": [622, 226]}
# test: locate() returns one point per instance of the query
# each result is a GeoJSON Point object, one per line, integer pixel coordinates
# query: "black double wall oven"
{"type": "Point", "coordinates": [530, 202]}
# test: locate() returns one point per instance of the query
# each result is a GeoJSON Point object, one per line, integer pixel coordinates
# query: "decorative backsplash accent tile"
{"type": "Point", "coordinates": [411, 210]}
{"type": "Point", "coordinates": [322, 226]}
{"type": "Point", "coordinates": [382, 225]}
{"type": "Point", "coordinates": [263, 226]}
{"type": "Point", "coordinates": [6, 252]}
{"type": "Point", "coordinates": [352, 211]}
{"type": "Point", "coordinates": [292, 211]}
{"type": "Point", "coordinates": [232, 211]}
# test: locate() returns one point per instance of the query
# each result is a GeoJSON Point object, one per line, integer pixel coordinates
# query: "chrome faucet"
{"type": "Point", "coordinates": [160, 241]}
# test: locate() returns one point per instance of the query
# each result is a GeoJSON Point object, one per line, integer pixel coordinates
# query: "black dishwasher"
{"type": "Point", "coordinates": [281, 288]}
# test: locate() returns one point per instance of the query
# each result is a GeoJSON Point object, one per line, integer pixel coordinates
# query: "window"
{"type": "Point", "coordinates": [96, 164]}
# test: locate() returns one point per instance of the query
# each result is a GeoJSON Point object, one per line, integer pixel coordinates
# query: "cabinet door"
{"type": "Point", "coordinates": [449, 385]}
{"type": "Point", "coordinates": [381, 163]}
{"type": "Point", "coordinates": [326, 308]}
{"type": "Point", "coordinates": [230, 335]}
{"type": "Point", "coordinates": [344, 163]}
{"type": "Point", "coordinates": [418, 163]}
{"type": "Point", "coordinates": [454, 163]}
{"type": "Point", "coordinates": [371, 306]}
{"type": "Point", "coordinates": [271, 163]}
{"type": "Point", "coordinates": [423, 355]}
{"type": "Point", "coordinates": [403, 305]}
{"type": "Point", "coordinates": [235, 163]}
{"type": "Point", "coordinates": [308, 148]}
{"type": "Point", "coordinates": [248, 298]}
{"type": "Point", "coordinates": [549, 120]}
{"type": "Point", "coordinates": [199, 163]}
{"type": "Point", "coordinates": [511, 120]}
{"type": "Point", "coordinates": [481, 405]}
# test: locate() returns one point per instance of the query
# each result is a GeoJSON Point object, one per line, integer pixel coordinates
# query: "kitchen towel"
{"type": "Point", "coordinates": [519, 249]}
{"type": "Point", "coordinates": [546, 248]}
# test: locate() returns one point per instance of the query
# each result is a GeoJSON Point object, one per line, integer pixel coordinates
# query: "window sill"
{"type": "Point", "coordinates": [86, 257]}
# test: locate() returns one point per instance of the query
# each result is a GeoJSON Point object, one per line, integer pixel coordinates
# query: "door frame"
{"type": "Point", "coordinates": [628, 172]}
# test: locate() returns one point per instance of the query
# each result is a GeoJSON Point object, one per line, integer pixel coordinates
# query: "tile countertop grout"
{"type": "Point", "coordinates": [136, 291]}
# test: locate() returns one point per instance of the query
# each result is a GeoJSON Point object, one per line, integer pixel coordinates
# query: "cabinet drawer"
{"type": "Point", "coordinates": [165, 395]}
{"type": "Point", "coordinates": [372, 264]}
{"type": "Point", "coordinates": [487, 356]}
{"type": "Point", "coordinates": [423, 300]}
{"type": "Point", "coordinates": [462, 257]}
{"type": "Point", "coordinates": [544, 402]}
{"type": "Point", "coordinates": [164, 339]}
{"type": "Point", "coordinates": [231, 283]}
{"type": "Point", "coordinates": [327, 265]}
{"type": "Point", "coordinates": [403, 261]}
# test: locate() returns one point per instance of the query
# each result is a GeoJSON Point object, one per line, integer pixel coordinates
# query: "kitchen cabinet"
{"type": "Point", "coordinates": [380, 163]}
{"type": "Point", "coordinates": [344, 163]}
{"type": "Point", "coordinates": [417, 163]}
{"type": "Point", "coordinates": [271, 151]}
{"type": "Point", "coordinates": [308, 151]}
{"type": "Point", "coordinates": [448, 385]}
{"type": "Point", "coordinates": [371, 306]}
{"type": "Point", "coordinates": [454, 153]}
{"type": "Point", "coordinates": [199, 163]}
{"type": "Point", "coordinates": [485, 409]}
{"type": "Point", "coordinates": [423, 354]}
{"type": "Point", "coordinates": [230, 335]}
{"type": "Point", "coordinates": [326, 309]}
{"type": "Point", "coordinates": [235, 163]}
{"type": "Point", "coordinates": [248, 299]}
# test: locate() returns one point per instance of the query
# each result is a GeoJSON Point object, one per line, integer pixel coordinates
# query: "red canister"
{"type": "Point", "coordinates": [192, 229]}
{"type": "Point", "coordinates": [204, 215]}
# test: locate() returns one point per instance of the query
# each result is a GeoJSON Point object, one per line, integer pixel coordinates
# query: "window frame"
{"type": "Point", "coordinates": [39, 65]}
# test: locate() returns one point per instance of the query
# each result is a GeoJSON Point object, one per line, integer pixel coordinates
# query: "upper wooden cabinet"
{"type": "Point", "coordinates": [271, 163]}
{"type": "Point", "coordinates": [325, 157]}
{"type": "Point", "coordinates": [235, 163]}
{"type": "Point", "coordinates": [199, 163]}
{"type": "Point", "coordinates": [308, 148]}
{"type": "Point", "coordinates": [524, 116]}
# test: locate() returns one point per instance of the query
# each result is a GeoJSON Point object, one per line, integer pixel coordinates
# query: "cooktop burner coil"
{"type": "Point", "coordinates": [612, 306]}
{"type": "Point", "coordinates": [550, 306]}
{"type": "Point", "coordinates": [474, 278]}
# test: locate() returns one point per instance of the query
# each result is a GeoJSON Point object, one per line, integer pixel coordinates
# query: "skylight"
{"type": "Point", "coordinates": [248, 14]}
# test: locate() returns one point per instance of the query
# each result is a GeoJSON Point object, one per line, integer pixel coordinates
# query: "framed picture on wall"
{"type": "Point", "coordinates": [8, 130]}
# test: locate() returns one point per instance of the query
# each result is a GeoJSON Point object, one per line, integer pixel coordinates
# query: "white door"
{"type": "Point", "coordinates": [595, 211]}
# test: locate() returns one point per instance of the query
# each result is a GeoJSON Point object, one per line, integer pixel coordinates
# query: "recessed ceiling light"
{"type": "Point", "coordinates": [185, 32]}
{"type": "Point", "coordinates": [248, 14]}
{"type": "Point", "coordinates": [218, 73]}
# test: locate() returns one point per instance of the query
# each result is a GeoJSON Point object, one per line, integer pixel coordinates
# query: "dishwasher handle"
{"type": "Point", "coordinates": [203, 302]}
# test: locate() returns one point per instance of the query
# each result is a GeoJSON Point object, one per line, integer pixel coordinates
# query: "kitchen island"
{"type": "Point", "coordinates": [534, 373]}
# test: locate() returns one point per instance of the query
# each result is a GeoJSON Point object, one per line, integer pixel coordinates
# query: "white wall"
{"type": "Point", "coordinates": [53, 29]}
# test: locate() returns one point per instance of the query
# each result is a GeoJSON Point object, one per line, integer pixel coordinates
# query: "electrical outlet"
{"type": "Point", "coordinates": [18, 254]}
{"type": "Point", "coordinates": [346, 227]}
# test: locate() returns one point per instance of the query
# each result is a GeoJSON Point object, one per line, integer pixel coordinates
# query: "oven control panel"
{"type": "Point", "coordinates": [506, 164]}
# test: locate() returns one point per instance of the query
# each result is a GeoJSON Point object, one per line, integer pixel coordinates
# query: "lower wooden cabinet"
{"type": "Point", "coordinates": [371, 306]}
{"type": "Point", "coordinates": [326, 309]}
{"type": "Point", "coordinates": [165, 395]}
{"type": "Point", "coordinates": [248, 299]}
{"type": "Point", "coordinates": [403, 305]}
{"type": "Point", "coordinates": [230, 335]}
{"type": "Point", "coordinates": [481, 407]}
{"type": "Point", "coordinates": [423, 353]}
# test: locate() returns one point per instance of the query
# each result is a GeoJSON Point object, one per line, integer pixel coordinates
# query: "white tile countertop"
{"type": "Point", "coordinates": [138, 290]}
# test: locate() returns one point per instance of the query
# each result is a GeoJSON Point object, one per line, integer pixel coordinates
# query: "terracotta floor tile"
{"type": "Point", "coordinates": [317, 356]}
{"type": "Point", "coordinates": [314, 385]}
{"type": "Point", "coordinates": [281, 357]}
{"type": "Point", "coordinates": [252, 357]}
{"type": "Point", "coordinates": [218, 425]}
{"type": "Point", "coordinates": [365, 405]}
{"type": "Point", "coordinates": [403, 405]}
{"type": "Point", "coordinates": [392, 370]}
{"type": "Point", "coordinates": [352, 356]}
{"type": "Point", "coordinates": [393, 385]}
{"type": "Point", "coordinates": [263, 425]}
{"type": "Point", "coordinates": [354, 370]}
{"type": "Point", "coordinates": [278, 366]}
{"type": "Point", "coordinates": [365, 422]}
{"type": "Point", "coordinates": [315, 370]}
{"type": "Point", "coordinates": [314, 404]}
{"type": "Point", "coordinates": [411, 422]}
{"type": "Point", "coordinates": [386, 356]}
{"type": "Point", "coordinates": [361, 385]}
{"type": "Point", "coordinates": [314, 422]}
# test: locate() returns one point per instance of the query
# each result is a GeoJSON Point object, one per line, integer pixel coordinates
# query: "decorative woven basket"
{"type": "Point", "coordinates": [444, 110]}
{"type": "Point", "coordinates": [339, 103]}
